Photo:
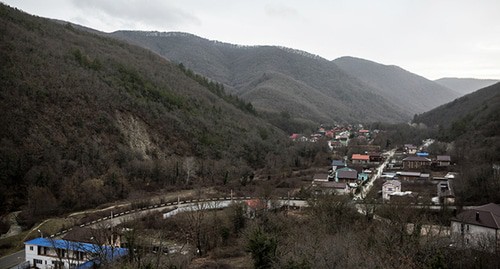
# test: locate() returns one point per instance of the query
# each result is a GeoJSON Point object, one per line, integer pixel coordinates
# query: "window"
{"type": "Point", "coordinates": [467, 227]}
{"type": "Point", "coordinates": [37, 261]}
{"type": "Point", "coordinates": [31, 248]}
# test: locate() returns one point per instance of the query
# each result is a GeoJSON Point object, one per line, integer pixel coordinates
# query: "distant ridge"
{"type": "Point", "coordinates": [408, 91]}
{"type": "Point", "coordinates": [465, 85]}
{"type": "Point", "coordinates": [183, 34]}
{"type": "Point", "coordinates": [475, 107]}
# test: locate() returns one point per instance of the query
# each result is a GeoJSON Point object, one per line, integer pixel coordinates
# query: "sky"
{"type": "Point", "coordinates": [432, 38]}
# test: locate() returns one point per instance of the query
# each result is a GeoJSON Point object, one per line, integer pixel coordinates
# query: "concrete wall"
{"type": "Point", "coordinates": [474, 236]}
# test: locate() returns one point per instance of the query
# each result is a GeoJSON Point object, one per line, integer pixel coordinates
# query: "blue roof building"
{"type": "Point", "coordinates": [57, 253]}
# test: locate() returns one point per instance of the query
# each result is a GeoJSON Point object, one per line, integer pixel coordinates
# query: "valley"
{"type": "Point", "coordinates": [171, 150]}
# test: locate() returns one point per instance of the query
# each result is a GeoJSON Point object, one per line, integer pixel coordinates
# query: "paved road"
{"type": "Point", "coordinates": [366, 188]}
{"type": "Point", "coordinates": [12, 260]}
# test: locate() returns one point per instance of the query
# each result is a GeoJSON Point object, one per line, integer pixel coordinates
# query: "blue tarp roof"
{"type": "Point", "coordinates": [110, 256]}
{"type": "Point", "coordinates": [63, 244]}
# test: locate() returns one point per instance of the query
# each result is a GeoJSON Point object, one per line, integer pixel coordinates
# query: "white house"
{"type": "Point", "coordinates": [57, 253]}
{"type": "Point", "coordinates": [478, 228]}
{"type": "Point", "coordinates": [390, 187]}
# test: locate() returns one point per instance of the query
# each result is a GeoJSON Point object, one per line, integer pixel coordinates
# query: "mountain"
{"type": "Point", "coordinates": [407, 91]}
{"type": "Point", "coordinates": [274, 79]}
{"type": "Point", "coordinates": [481, 107]}
{"type": "Point", "coordinates": [465, 85]}
{"type": "Point", "coordinates": [471, 124]}
{"type": "Point", "coordinates": [87, 119]}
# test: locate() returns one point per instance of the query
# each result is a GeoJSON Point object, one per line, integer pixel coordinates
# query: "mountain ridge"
{"type": "Point", "coordinates": [412, 92]}
{"type": "Point", "coordinates": [239, 67]}
{"type": "Point", "coordinates": [465, 85]}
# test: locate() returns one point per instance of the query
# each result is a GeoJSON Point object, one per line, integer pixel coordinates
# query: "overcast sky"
{"type": "Point", "coordinates": [433, 38]}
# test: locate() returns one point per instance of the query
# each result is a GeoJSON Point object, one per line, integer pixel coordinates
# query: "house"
{"type": "Point", "coordinates": [58, 253]}
{"type": "Point", "coordinates": [445, 192]}
{"type": "Point", "coordinates": [254, 207]}
{"type": "Point", "coordinates": [337, 164]}
{"type": "Point", "coordinates": [320, 177]}
{"type": "Point", "coordinates": [410, 149]}
{"type": "Point", "coordinates": [363, 175]}
{"type": "Point", "coordinates": [330, 187]}
{"type": "Point", "coordinates": [299, 138]}
{"type": "Point", "coordinates": [346, 175]}
{"type": "Point", "coordinates": [416, 162]}
{"type": "Point", "coordinates": [375, 157]}
{"type": "Point", "coordinates": [364, 132]}
{"type": "Point", "coordinates": [389, 187]}
{"type": "Point", "coordinates": [360, 159]}
{"type": "Point", "coordinates": [443, 160]}
{"type": "Point", "coordinates": [411, 176]}
{"type": "Point", "coordinates": [478, 228]}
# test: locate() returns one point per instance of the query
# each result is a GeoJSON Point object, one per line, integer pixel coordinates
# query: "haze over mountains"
{"type": "Point", "coordinates": [410, 92]}
{"type": "Point", "coordinates": [465, 85]}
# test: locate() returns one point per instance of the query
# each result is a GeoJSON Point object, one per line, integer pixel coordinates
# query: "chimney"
{"type": "Point", "coordinates": [477, 215]}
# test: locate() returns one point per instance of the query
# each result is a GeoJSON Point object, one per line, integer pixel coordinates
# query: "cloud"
{"type": "Point", "coordinates": [151, 13]}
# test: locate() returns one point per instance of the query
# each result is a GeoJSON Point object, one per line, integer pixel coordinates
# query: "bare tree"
{"type": "Point", "coordinates": [190, 166]}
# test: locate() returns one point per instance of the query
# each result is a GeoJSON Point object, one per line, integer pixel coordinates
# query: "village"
{"type": "Point", "coordinates": [404, 176]}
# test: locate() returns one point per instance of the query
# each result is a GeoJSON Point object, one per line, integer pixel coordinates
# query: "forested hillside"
{"type": "Point", "coordinates": [465, 85]}
{"type": "Point", "coordinates": [407, 91]}
{"type": "Point", "coordinates": [472, 125]}
{"type": "Point", "coordinates": [274, 79]}
{"type": "Point", "coordinates": [88, 119]}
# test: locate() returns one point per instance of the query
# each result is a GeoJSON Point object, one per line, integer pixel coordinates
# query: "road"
{"type": "Point", "coordinates": [12, 260]}
{"type": "Point", "coordinates": [366, 188]}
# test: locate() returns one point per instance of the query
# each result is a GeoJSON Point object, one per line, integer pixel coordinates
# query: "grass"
{"type": "Point", "coordinates": [14, 243]}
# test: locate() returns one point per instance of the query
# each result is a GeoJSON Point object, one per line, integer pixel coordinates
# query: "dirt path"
{"type": "Point", "coordinates": [14, 229]}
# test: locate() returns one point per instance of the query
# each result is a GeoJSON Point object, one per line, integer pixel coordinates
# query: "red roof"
{"type": "Point", "coordinates": [360, 157]}
{"type": "Point", "coordinates": [364, 131]}
{"type": "Point", "coordinates": [255, 204]}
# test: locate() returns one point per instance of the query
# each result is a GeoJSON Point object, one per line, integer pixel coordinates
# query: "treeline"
{"type": "Point", "coordinates": [218, 89]}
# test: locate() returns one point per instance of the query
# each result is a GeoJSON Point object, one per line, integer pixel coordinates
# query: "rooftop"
{"type": "Point", "coordinates": [360, 157]}
{"type": "Point", "coordinates": [443, 158]}
{"type": "Point", "coordinates": [416, 159]}
{"type": "Point", "coordinates": [486, 215]}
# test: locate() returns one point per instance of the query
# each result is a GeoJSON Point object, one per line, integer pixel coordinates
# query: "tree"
{"type": "Point", "coordinates": [262, 246]}
{"type": "Point", "coordinates": [191, 167]}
